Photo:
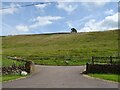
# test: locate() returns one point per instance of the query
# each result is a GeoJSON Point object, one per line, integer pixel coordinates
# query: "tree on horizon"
{"type": "Point", "coordinates": [73, 30]}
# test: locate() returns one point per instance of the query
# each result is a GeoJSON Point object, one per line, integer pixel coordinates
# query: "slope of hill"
{"type": "Point", "coordinates": [80, 44]}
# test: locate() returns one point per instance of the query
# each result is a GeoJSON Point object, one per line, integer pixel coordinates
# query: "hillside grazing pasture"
{"type": "Point", "coordinates": [84, 45]}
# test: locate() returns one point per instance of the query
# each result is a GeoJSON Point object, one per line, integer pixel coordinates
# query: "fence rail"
{"type": "Point", "coordinates": [109, 59]}
{"type": "Point", "coordinates": [104, 65]}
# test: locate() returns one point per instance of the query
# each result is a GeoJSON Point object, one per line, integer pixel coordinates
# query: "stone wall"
{"type": "Point", "coordinates": [12, 69]}
{"type": "Point", "coordinates": [28, 67]}
{"type": "Point", "coordinates": [103, 68]}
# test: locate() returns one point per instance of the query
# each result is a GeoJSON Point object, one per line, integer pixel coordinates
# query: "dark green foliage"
{"type": "Point", "coordinates": [73, 30]}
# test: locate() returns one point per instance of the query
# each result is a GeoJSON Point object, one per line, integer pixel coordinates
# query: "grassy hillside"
{"type": "Point", "coordinates": [68, 45]}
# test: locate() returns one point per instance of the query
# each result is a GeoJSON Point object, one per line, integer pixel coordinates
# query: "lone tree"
{"type": "Point", "coordinates": [73, 30]}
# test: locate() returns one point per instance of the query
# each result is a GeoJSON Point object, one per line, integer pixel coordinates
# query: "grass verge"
{"type": "Point", "coordinates": [10, 77]}
{"type": "Point", "coordinates": [111, 77]}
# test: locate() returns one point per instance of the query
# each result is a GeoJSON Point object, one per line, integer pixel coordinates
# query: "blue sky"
{"type": "Point", "coordinates": [53, 17]}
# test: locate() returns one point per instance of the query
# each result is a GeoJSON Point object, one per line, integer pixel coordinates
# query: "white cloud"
{"type": "Point", "coordinates": [41, 6]}
{"type": "Point", "coordinates": [101, 2]}
{"type": "Point", "coordinates": [38, 21]}
{"type": "Point", "coordinates": [10, 10]}
{"type": "Point", "coordinates": [109, 12]}
{"type": "Point", "coordinates": [10, 30]}
{"type": "Point", "coordinates": [77, 23]}
{"type": "Point", "coordinates": [66, 6]}
{"type": "Point", "coordinates": [86, 18]}
{"type": "Point", "coordinates": [94, 4]}
{"type": "Point", "coordinates": [45, 20]}
{"type": "Point", "coordinates": [109, 22]}
{"type": "Point", "coordinates": [37, 24]}
{"type": "Point", "coordinates": [23, 28]}
{"type": "Point", "coordinates": [69, 24]}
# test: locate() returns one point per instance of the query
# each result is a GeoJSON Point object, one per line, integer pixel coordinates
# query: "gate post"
{"type": "Point", "coordinates": [92, 60]}
{"type": "Point", "coordinates": [29, 66]}
{"type": "Point", "coordinates": [110, 59]}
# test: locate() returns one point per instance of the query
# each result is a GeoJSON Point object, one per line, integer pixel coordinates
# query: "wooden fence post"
{"type": "Point", "coordinates": [92, 60]}
{"type": "Point", "coordinates": [87, 68]}
{"type": "Point", "coordinates": [111, 59]}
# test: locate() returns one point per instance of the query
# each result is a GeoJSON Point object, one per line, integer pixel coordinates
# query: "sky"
{"type": "Point", "coordinates": [53, 17]}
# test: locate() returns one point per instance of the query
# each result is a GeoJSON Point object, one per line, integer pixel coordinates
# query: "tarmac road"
{"type": "Point", "coordinates": [59, 77]}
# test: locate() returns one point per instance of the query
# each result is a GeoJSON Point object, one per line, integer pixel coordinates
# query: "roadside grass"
{"type": "Point", "coordinates": [4, 78]}
{"type": "Point", "coordinates": [9, 62]}
{"type": "Point", "coordinates": [111, 77]}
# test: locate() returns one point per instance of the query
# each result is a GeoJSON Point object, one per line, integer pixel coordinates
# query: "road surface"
{"type": "Point", "coordinates": [59, 77]}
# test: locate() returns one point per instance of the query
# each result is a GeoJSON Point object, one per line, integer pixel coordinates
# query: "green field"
{"type": "Point", "coordinates": [112, 77]}
{"type": "Point", "coordinates": [49, 48]}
